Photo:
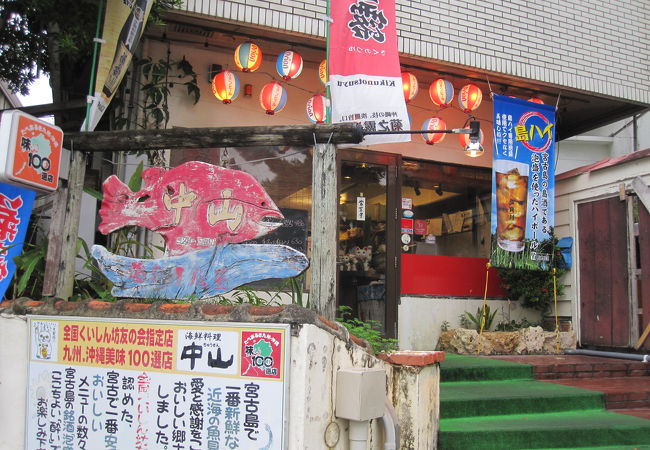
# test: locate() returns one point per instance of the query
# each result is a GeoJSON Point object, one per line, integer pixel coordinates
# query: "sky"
{"type": "Point", "coordinates": [39, 93]}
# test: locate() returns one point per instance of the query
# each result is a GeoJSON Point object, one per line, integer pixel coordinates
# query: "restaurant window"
{"type": "Point", "coordinates": [450, 209]}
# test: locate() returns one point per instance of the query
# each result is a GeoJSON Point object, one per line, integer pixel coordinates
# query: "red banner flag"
{"type": "Point", "coordinates": [365, 77]}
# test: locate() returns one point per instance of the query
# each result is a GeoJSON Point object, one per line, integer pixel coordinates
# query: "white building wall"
{"type": "Point", "coordinates": [598, 46]}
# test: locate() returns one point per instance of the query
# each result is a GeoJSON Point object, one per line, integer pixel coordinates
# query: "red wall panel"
{"type": "Point", "coordinates": [448, 275]}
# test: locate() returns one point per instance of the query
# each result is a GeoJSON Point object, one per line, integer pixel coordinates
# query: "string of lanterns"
{"type": "Point", "coordinates": [289, 65]}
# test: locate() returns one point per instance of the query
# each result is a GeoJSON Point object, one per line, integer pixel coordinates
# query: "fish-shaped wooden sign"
{"type": "Point", "coordinates": [193, 206]}
{"type": "Point", "coordinates": [200, 274]}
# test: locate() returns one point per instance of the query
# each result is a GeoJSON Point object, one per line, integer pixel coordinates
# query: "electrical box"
{"type": "Point", "coordinates": [360, 393]}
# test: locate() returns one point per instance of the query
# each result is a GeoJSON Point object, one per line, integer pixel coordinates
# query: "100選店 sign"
{"type": "Point", "coordinates": [156, 384]}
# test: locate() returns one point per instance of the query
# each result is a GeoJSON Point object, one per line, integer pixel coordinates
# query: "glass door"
{"type": "Point", "coordinates": [367, 259]}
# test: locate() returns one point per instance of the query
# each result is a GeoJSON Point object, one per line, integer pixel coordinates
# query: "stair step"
{"type": "Point", "coordinates": [462, 399]}
{"type": "Point", "coordinates": [469, 368]}
{"type": "Point", "coordinates": [620, 393]}
{"type": "Point", "coordinates": [573, 429]}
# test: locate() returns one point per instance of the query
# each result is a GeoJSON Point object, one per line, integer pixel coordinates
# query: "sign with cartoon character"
{"type": "Point", "coordinates": [33, 151]}
{"type": "Point", "coordinates": [156, 384]}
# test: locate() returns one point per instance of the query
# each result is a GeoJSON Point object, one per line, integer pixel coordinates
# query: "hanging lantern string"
{"type": "Point", "coordinates": [489, 85]}
{"type": "Point", "coordinates": [480, 334]}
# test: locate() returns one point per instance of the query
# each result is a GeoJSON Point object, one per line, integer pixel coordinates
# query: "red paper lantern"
{"type": "Point", "coordinates": [536, 100]}
{"type": "Point", "coordinates": [469, 98]}
{"type": "Point", "coordinates": [318, 108]}
{"type": "Point", "coordinates": [225, 86]}
{"type": "Point", "coordinates": [273, 97]}
{"type": "Point", "coordinates": [322, 72]}
{"type": "Point", "coordinates": [464, 138]}
{"type": "Point", "coordinates": [289, 65]}
{"type": "Point", "coordinates": [248, 57]}
{"type": "Point", "coordinates": [441, 92]}
{"type": "Point", "coordinates": [434, 123]}
{"type": "Point", "coordinates": [410, 86]}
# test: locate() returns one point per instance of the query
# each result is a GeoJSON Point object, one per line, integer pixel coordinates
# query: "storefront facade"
{"type": "Point", "coordinates": [414, 218]}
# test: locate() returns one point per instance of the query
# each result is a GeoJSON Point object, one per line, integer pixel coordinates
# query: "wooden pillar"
{"type": "Point", "coordinates": [324, 232]}
{"type": "Point", "coordinates": [66, 230]}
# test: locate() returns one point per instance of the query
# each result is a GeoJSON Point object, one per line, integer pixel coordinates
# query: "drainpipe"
{"type": "Point", "coordinates": [391, 427]}
{"type": "Point", "coordinates": [642, 358]}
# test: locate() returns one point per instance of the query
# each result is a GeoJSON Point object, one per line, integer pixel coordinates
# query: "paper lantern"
{"type": "Point", "coordinates": [289, 65]}
{"type": "Point", "coordinates": [464, 139]}
{"type": "Point", "coordinates": [273, 97]}
{"type": "Point", "coordinates": [225, 86]}
{"type": "Point", "coordinates": [248, 57]}
{"type": "Point", "coordinates": [469, 98]}
{"type": "Point", "coordinates": [318, 108]}
{"type": "Point", "coordinates": [441, 92]}
{"type": "Point", "coordinates": [536, 100]}
{"type": "Point", "coordinates": [409, 85]}
{"type": "Point", "coordinates": [322, 72]}
{"type": "Point", "coordinates": [434, 123]}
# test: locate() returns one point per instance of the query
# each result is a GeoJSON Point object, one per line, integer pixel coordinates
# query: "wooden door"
{"type": "Point", "coordinates": [603, 265]}
{"type": "Point", "coordinates": [367, 259]}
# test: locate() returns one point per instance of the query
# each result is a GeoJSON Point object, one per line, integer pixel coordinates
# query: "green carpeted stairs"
{"type": "Point", "coordinates": [491, 404]}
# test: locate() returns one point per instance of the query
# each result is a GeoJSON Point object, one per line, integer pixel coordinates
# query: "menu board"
{"type": "Point", "coordinates": [156, 384]}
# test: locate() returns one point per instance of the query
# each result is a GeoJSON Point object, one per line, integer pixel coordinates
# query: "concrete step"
{"type": "Point", "coordinates": [620, 392]}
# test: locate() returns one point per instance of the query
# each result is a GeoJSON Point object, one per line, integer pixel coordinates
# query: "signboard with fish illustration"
{"type": "Point", "coordinates": [204, 213]}
{"type": "Point", "coordinates": [523, 184]}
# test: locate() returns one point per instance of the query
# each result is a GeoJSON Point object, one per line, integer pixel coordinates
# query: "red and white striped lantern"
{"type": "Point", "coordinates": [536, 100]}
{"type": "Point", "coordinates": [225, 86]}
{"type": "Point", "coordinates": [409, 85]}
{"type": "Point", "coordinates": [434, 123]}
{"type": "Point", "coordinates": [273, 97]}
{"type": "Point", "coordinates": [469, 98]}
{"type": "Point", "coordinates": [441, 92]}
{"type": "Point", "coordinates": [318, 108]}
{"type": "Point", "coordinates": [289, 65]}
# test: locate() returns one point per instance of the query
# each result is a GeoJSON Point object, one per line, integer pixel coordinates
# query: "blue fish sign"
{"type": "Point", "coordinates": [200, 274]}
{"type": "Point", "coordinates": [15, 208]}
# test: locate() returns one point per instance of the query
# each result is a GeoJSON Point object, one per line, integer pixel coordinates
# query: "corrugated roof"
{"type": "Point", "coordinates": [604, 163]}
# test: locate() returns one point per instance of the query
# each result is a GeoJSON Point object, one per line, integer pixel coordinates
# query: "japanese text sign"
{"type": "Point", "coordinates": [364, 71]}
{"type": "Point", "coordinates": [523, 184]}
{"type": "Point", "coordinates": [15, 209]}
{"type": "Point", "coordinates": [31, 153]}
{"type": "Point", "coordinates": [156, 384]}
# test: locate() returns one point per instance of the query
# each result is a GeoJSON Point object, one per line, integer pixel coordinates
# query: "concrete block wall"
{"type": "Point", "coordinates": [598, 46]}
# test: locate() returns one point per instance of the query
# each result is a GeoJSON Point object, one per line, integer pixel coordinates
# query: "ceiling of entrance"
{"type": "Point", "coordinates": [578, 112]}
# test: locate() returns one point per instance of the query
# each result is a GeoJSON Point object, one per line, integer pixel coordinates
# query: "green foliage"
{"type": "Point", "coordinates": [514, 325]}
{"type": "Point", "coordinates": [474, 321]}
{"type": "Point", "coordinates": [249, 296]}
{"type": "Point", "coordinates": [534, 287]}
{"type": "Point", "coordinates": [368, 330]}
{"type": "Point", "coordinates": [30, 267]}
{"type": "Point", "coordinates": [159, 78]}
{"type": "Point", "coordinates": [31, 30]}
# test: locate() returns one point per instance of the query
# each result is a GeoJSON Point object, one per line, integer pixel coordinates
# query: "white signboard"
{"type": "Point", "coordinates": [361, 208]}
{"type": "Point", "coordinates": [142, 384]}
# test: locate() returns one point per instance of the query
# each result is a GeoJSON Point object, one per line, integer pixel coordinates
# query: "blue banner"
{"type": "Point", "coordinates": [15, 209]}
{"type": "Point", "coordinates": [523, 184]}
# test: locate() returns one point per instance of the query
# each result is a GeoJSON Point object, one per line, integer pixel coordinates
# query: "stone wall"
{"type": "Point", "coordinates": [527, 341]}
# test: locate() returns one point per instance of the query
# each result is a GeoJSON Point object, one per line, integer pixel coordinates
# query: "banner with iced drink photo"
{"type": "Point", "coordinates": [523, 184]}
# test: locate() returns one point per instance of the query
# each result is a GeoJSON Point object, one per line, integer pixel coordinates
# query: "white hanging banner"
{"type": "Point", "coordinates": [365, 77]}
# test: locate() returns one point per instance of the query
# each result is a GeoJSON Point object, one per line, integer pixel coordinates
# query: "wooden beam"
{"type": "Point", "coordinates": [642, 191]}
{"type": "Point", "coordinates": [324, 231]}
{"type": "Point", "coordinates": [49, 109]}
{"type": "Point", "coordinates": [184, 138]}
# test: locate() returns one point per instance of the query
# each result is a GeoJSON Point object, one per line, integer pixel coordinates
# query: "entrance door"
{"type": "Point", "coordinates": [368, 272]}
{"type": "Point", "coordinates": [605, 318]}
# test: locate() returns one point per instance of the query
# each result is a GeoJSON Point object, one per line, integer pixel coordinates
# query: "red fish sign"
{"type": "Point", "coordinates": [193, 206]}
